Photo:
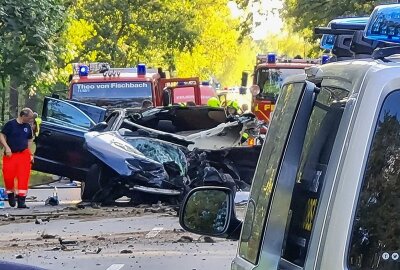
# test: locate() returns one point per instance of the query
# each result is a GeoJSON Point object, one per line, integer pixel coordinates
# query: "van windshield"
{"type": "Point", "coordinates": [270, 80]}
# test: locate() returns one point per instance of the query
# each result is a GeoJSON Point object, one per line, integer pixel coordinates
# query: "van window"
{"type": "Point", "coordinates": [266, 172]}
{"type": "Point", "coordinates": [320, 137]}
{"type": "Point", "coordinates": [375, 239]}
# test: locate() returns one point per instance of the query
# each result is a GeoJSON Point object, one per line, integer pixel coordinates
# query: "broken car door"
{"type": "Point", "coordinates": [60, 144]}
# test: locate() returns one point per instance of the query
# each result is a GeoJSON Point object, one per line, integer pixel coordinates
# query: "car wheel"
{"type": "Point", "coordinates": [92, 183]}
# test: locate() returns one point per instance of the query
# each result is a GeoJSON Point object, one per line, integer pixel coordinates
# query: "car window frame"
{"type": "Point", "coordinates": [64, 124]}
{"type": "Point", "coordinates": [259, 257]}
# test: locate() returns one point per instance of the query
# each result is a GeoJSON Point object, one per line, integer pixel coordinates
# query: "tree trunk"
{"type": "Point", "coordinates": [32, 102]}
{"type": "Point", "coordinates": [13, 98]}
{"type": "Point", "coordinates": [3, 98]}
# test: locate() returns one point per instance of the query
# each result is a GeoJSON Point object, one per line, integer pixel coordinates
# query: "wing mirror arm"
{"type": "Point", "coordinates": [99, 127]}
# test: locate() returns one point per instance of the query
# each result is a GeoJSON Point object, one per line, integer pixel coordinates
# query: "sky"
{"type": "Point", "coordinates": [270, 22]}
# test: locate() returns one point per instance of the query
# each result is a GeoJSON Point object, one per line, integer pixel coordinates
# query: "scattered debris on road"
{"type": "Point", "coordinates": [185, 239]}
{"type": "Point", "coordinates": [126, 251]}
{"type": "Point", "coordinates": [47, 236]}
{"type": "Point", "coordinates": [208, 239]}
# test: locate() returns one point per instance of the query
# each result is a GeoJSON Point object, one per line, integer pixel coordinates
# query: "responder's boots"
{"type": "Point", "coordinates": [11, 199]}
{"type": "Point", "coordinates": [21, 202]}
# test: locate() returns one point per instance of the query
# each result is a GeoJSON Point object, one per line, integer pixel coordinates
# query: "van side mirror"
{"type": "Point", "coordinates": [210, 211]}
{"type": "Point", "coordinates": [99, 127]}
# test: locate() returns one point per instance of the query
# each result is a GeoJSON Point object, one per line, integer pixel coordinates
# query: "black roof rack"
{"type": "Point", "coordinates": [354, 26]}
{"type": "Point", "coordinates": [330, 31]}
{"type": "Point", "coordinates": [350, 43]}
{"type": "Point", "coordinates": [381, 53]}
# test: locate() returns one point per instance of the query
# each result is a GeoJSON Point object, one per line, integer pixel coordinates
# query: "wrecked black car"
{"type": "Point", "coordinates": [119, 158]}
{"type": "Point", "coordinates": [141, 166]}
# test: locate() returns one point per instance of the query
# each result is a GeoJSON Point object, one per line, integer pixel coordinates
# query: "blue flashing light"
{"type": "Point", "coordinates": [325, 59]}
{"type": "Point", "coordinates": [181, 83]}
{"type": "Point", "coordinates": [141, 69]}
{"type": "Point", "coordinates": [206, 83]}
{"type": "Point", "coordinates": [328, 41]}
{"type": "Point", "coordinates": [384, 24]}
{"type": "Point", "coordinates": [271, 58]}
{"type": "Point", "coordinates": [83, 71]}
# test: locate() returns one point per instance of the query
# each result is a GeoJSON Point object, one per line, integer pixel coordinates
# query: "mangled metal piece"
{"type": "Point", "coordinates": [222, 136]}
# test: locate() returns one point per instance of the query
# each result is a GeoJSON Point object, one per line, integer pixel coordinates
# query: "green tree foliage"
{"type": "Point", "coordinates": [28, 31]}
{"type": "Point", "coordinates": [40, 39]}
{"type": "Point", "coordinates": [216, 52]}
{"type": "Point", "coordinates": [288, 43]}
{"type": "Point", "coordinates": [307, 14]}
{"type": "Point", "coordinates": [127, 32]}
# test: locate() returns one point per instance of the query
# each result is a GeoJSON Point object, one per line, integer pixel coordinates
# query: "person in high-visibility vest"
{"type": "Point", "coordinates": [37, 121]}
{"type": "Point", "coordinates": [232, 107]}
{"type": "Point", "coordinates": [16, 137]}
{"type": "Point", "coordinates": [213, 102]}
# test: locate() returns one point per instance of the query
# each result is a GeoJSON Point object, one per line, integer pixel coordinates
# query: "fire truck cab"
{"type": "Point", "coordinates": [104, 86]}
{"type": "Point", "coordinates": [269, 75]}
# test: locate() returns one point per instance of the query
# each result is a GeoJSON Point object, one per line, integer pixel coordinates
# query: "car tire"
{"type": "Point", "coordinates": [92, 183]}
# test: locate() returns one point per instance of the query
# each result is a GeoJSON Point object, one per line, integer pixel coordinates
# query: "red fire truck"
{"type": "Point", "coordinates": [269, 74]}
{"type": "Point", "coordinates": [102, 85]}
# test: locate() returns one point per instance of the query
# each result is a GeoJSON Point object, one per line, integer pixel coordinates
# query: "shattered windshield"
{"type": "Point", "coordinates": [160, 152]}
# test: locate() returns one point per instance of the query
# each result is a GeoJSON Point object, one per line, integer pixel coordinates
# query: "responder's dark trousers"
{"type": "Point", "coordinates": [17, 166]}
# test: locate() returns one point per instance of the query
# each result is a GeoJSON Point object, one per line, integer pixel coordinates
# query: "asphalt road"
{"type": "Point", "coordinates": [110, 238]}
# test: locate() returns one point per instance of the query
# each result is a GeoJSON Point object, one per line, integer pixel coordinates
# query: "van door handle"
{"type": "Point", "coordinates": [46, 133]}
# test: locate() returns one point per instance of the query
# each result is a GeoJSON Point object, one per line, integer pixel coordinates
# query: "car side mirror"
{"type": "Point", "coordinates": [210, 211]}
{"type": "Point", "coordinates": [99, 127]}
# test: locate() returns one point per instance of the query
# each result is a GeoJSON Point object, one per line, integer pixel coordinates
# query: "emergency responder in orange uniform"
{"type": "Point", "coordinates": [16, 137]}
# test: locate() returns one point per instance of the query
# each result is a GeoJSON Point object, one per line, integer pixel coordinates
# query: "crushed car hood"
{"type": "Point", "coordinates": [146, 159]}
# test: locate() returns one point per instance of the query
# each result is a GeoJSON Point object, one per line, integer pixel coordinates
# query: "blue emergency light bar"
{"type": "Point", "coordinates": [141, 69]}
{"type": "Point", "coordinates": [355, 23]}
{"type": "Point", "coordinates": [271, 58]}
{"type": "Point", "coordinates": [83, 71]}
{"type": "Point", "coordinates": [205, 83]}
{"type": "Point", "coordinates": [384, 24]}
